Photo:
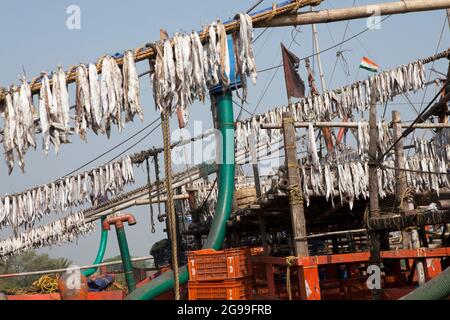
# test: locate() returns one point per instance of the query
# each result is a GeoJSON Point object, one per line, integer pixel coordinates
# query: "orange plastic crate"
{"type": "Point", "coordinates": [226, 290]}
{"type": "Point", "coordinates": [211, 265]}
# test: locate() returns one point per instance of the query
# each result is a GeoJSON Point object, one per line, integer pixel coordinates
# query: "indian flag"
{"type": "Point", "coordinates": [369, 65]}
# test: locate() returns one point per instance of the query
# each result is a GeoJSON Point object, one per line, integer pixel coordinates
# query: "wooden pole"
{"type": "Point", "coordinates": [359, 12]}
{"type": "Point", "coordinates": [295, 190]}
{"type": "Point", "coordinates": [400, 176]}
{"type": "Point", "coordinates": [172, 218]}
{"type": "Point", "coordinates": [262, 223]}
{"type": "Point", "coordinates": [326, 131]}
{"type": "Point", "coordinates": [374, 206]}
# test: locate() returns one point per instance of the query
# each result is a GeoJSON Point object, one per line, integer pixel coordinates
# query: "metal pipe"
{"type": "Point", "coordinates": [359, 12]}
{"type": "Point", "coordinates": [100, 253]}
{"type": "Point", "coordinates": [437, 288]}
{"type": "Point", "coordinates": [43, 272]}
{"type": "Point", "coordinates": [118, 222]}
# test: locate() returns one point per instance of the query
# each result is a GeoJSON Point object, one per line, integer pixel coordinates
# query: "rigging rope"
{"type": "Point", "coordinates": [165, 117]}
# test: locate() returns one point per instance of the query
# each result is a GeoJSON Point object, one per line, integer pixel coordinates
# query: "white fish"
{"type": "Point", "coordinates": [19, 139]}
{"type": "Point", "coordinates": [198, 66]}
{"type": "Point", "coordinates": [131, 88]}
{"type": "Point", "coordinates": [9, 132]}
{"type": "Point", "coordinates": [45, 106]}
{"type": "Point", "coordinates": [26, 102]}
{"type": "Point", "coordinates": [96, 107]}
{"type": "Point", "coordinates": [83, 114]}
{"type": "Point", "coordinates": [225, 68]}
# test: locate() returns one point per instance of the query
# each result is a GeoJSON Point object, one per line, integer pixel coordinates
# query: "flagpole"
{"type": "Point", "coordinates": [326, 132]}
{"type": "Point", "coordinates": [319, 61]}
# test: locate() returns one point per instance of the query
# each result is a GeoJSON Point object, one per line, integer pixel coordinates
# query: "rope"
{"type": "Point", "coordinates": [295, 197]}
{"type": "Point", "coordinates": [407, 195]}
{"type": "Point", "coordinates": [170, 205]}
{"type": "Point", "coordinates": [289, 263]}
{"type": "Point", "coordinates": [46, 285]}
{"type": "Point", "coordinates": [149, 182]}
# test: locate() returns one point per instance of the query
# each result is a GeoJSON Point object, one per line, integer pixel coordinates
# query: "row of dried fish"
{"type": "Point", "coordinates": [184, 68]}
{"type": "Point", "coordinates": [206, 197]}
{"type": "Point", "coordinates": [427, 159]}
{"type": "Point", "coordinates": [349, 180]}
{"type": "Point", "coordinates": [99, 102]}
{"type": "Point", "coordinates": [385, 139]}
{"type": "Point", "coordinates": [56, 233]}
{"type": "Point", "coordinates": [341, 102]}
{"type": "Point", "coordinates": [29, 207]}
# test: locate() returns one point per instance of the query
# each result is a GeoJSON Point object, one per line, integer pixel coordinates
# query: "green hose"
{"type": "Point", "coordinates": [437, 288]}
{"type": "Point", "coordinates": [216, 236]}
{"type": "Point", "coordinates": [126, 259]}
{"type": "Point", "coordinates": [101, 251]}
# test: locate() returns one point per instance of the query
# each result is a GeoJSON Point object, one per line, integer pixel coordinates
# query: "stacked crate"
{"type": "Point", "coordinates": [220, 275]}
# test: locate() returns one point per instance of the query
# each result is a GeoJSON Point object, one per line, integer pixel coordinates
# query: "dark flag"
{"type": "Point", "coordinates": [294, 84]}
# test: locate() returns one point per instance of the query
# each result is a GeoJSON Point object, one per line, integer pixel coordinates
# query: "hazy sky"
{"type": "Point", "coordinates": [35, 38]}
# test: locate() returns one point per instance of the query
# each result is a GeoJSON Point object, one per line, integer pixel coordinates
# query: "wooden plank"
{"type": "Point", "coordinates": [295, 194]}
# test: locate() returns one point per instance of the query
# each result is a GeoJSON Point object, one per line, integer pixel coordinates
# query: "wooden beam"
{"type": "Point", "coordinates": [397, 222]}
{"type": "Point", "coordinates": [295, 190]}
{"type": "Point", "coordinates": [354, 125]}
{"type": "Point", "coordinates": [359, 12]}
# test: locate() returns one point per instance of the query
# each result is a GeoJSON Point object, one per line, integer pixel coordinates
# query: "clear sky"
{"type": "Point", "coordinates": [35, 38]}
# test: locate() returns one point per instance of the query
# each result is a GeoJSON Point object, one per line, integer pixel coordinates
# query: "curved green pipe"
{"type": "Point", "coordinates": [100, 253]}
{"type": "Point", "coordinates": [437, 288]}
{"type": "Point", "coordinates": [216, 236]}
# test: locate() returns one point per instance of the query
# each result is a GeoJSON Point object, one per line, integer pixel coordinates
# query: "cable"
{"type": "Point", "coordinates": [273, 77]}
{"type": "Point", "coordinates": [111, 150]}
{"type": "Point", "coordinates": [209, 195]}
{"type": "Point", "coordinates": [339, 51]}
{"type": "Point", "coordinates": [432, 66]}
{"type": "Point", "coordinates": [329, 48]}
{"type": "Point", "coordinates": [420, 116]}
{"type": "Point", "coordinates": [134, 145]}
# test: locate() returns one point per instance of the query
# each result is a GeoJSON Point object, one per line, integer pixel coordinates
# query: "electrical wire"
{"type": "Point", "coordinates": [329, 48]}
{"type": "Point", "coordinates": [112, 149]}
{"type": "Point", "coordinates": [137, 143]}
{"type": "Point", "coordinates": [419, 117]}
{"type": "Point", "coordinates": [273, 78]}
{"type": "Point", "coordinates": [432, 66]}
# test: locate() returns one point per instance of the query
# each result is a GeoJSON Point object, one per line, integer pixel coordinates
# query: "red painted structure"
{"type": "Point", "coordinates": [320, 277]}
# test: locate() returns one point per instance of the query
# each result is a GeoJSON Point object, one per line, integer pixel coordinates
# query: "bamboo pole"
{"type": "Point", "coordinates": [354, 125]}
{"type": "Point", "coordinates": [374, 205]}
{"type": "Point", "coordinates": [146, 52]}
{"type": "Point", "coordinates": [359, 12]}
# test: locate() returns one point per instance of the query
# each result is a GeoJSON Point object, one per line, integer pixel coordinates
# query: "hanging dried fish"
{"type": "Point", "coordinates": [9, 132]}
{"type": "Point", "coordinates": [131, 89]}
{"type": "Point", "coordinates": [55, 233]}
{"type": "Point", "coordinates": [83, 114]}
{"type": "Point", "coordinates": [95, 100]}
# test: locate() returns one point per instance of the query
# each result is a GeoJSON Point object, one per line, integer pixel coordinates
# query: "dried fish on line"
{"type": "Point", "coordinates": [27, 208]}
{"type": "Point", "coordinates": [98, 104]}
{"type": "Point", "coordinates": [344, 101]}
{"type": "Point", "coordinates": [55, 233]}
